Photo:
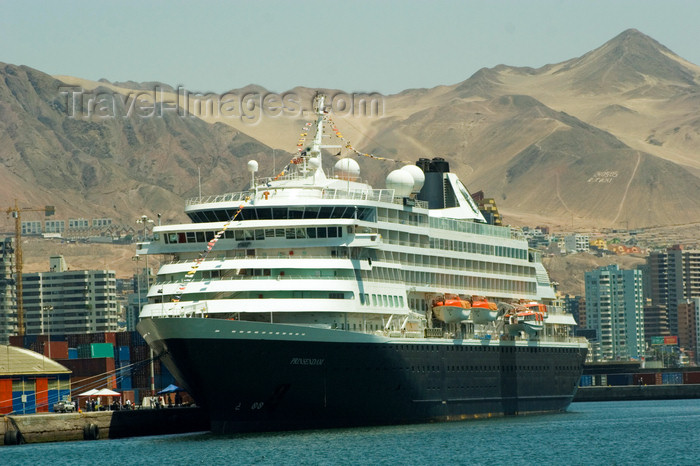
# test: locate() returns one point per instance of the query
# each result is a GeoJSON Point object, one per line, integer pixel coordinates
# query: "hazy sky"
{"type": "Point", "coordinates": [379, 46]}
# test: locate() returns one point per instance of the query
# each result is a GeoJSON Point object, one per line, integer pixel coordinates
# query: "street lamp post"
{"type": "Point", "coordinates": [145, 220]}
{"type": "Point", "coordinates": [138, 287]}
{"type": "Point", "coordinates": [47, 311]}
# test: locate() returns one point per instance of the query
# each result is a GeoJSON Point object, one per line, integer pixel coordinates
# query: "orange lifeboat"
{"type": "Point", "coordinates": [451, 309]}
{"type": "Point", "coordinates": [483, 311]}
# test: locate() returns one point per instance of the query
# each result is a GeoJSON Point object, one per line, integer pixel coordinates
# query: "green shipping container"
{"type": "Point", "coordinates": [101, 350]}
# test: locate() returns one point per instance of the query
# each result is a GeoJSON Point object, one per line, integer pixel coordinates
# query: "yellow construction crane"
{"type": "Point", "coordinates": [16, 213]}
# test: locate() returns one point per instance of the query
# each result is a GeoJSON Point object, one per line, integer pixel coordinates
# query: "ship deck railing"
{"type": "Point", "coordinates": [376, 262]}
{"type": "Point", "coordinates": [375, 195]}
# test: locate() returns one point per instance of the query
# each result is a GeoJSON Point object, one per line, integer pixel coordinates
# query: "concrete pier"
{"type": "Point", "coordinates": [52, 427]}
{"type": "Point", "coordinates": [638, 392]}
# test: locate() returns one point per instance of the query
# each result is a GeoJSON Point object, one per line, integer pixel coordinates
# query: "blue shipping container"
{"type": "Point", "coordinates": [671, 378]}
{"type": "Point", "coordinates": [586, 381]}
{"type": "Point", "coordinates": [125, 383]}
{"type": "Point", "coordinates": [124, 354]}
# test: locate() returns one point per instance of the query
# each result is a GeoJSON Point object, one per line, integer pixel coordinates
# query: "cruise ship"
{"type": "Point", "coordinates": [313, 300]}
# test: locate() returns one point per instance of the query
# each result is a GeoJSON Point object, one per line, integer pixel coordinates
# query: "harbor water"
{"type": "Point", "coordinates": [630, 432]}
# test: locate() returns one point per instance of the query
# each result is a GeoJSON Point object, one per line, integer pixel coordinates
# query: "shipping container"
{"type": "Point", "coordinates": [84, 351]}
{"type": "Point", "coordinates": [123, 338]}
{"type": "Point", "coordinates": [672, 378]}
{"type": "Point", "coordinates": [125, 384]}
{"type": "Point", "coordinates": [645, 379]}
{"type": "Point", "coordinates": [87, 367]}
{"type": "Point", "coordinates": [137, 339]}
{"type": "Point", "coordinates": [56, 349]}
{"type": "Point", "coordinates": [586, 381]}
{"type": "Point", "coordinates": [619, 379]}
{"type": "Point", "coordinates": [101, 350]}
{"type": "Point", "coordinates": [691, 377]}
{"type": "Point", "coordinates": [124, 353]}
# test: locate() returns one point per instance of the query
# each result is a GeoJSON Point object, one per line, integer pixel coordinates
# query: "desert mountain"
{"type": "Point", "coordinates": [608, 139]}
{"type": "Point", "coordinates": [52, 152]}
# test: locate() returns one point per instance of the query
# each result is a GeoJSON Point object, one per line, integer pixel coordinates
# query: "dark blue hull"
{"type": "Point", "coordinates": [266, 384]}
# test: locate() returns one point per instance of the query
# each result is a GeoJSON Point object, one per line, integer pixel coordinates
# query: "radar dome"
{"type": "Point", "coordinates": [347, 169]}
{"type": "Point", "coordinates": [401, 181]}
{"type": "Point", "coordinates": [418, 177]}
{"type": "Point", "coordinates": [314, 163]}
{"type": "Point", "coordinates": [252, 166]}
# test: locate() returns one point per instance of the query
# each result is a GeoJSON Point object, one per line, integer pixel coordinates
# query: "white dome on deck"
{"type": "Point", "coordinates": [347, 169]}
{"type": "Point", "coordinates": [314, 162]}
{"type": "Point", "coordinates": [401, 181]}
{"type": "Point", "coordinates": [418, 176]}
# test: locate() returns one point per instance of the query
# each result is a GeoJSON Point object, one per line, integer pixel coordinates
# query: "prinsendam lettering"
{"type": "Point", "coordinates": [306, 362]}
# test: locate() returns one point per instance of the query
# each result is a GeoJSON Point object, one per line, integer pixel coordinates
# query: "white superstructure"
{"type": "Point", "coordinates": [333, 252]}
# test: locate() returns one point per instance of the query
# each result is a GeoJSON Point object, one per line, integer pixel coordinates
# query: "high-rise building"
{"type": "Point", "coordinates": [688, 320]}
{"type": "Point", "coordinates": [614, 308]}
{"type": "Point", "coordinates": [66, 301]}
{"type": "Point", "coordinates": [655, 322]}
{"type": "Point", "coordinates": [8, 301]}
{"type": "Point", "coordinates": [674, 277]}
{"type": "Point", "coordinates": [576, 306]}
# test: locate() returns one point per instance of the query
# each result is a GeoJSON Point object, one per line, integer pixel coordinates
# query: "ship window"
{"type": "Point", "coordinates": [325, 212]}
{"type": "Point", "coordinates": [200, 236]}
{"type": "Point", "coordinates": [332, 232]}
{"type": "Point", "coordinates": [259, 235]}
{"type": "Point", "coordinates": [374, 300]}
{"type": "Point", "coordinates": [248, 235]}
{"type": "Point", "coordinates": [386, 300]}
{"type": "Point", "coordinates": [367, 299]}
{"type": "Point", "coordinates": [175, 237]}
{"type": "Point", "coordinates": [264, 213]}
{"type": "Point", "coordinates": [311, 232]}
{"type": "Point", "coordinates": [396, 301]}
{"type": "Point", "coordinates": [289, 233]}
{"type": "Point", "coordinates": [228, 234]}
{"type": "Point", "coordinates": [269, 232]}
{"type": "Point", "coordinates": [279, 232]}
{"type": "Point", "coordinates": [311, 212]}
{"type": "Point", "coordinates": [401, 301]}
{"type": "Point", "coordinates": [279, 213]}
{"type": "Point", "coordinates": [321, 232]}
{"type": "Point", "coordinates": [362, 298]}
{"type": "Point", "coordinates": [239, 235]}
{"type": "Point", "coordinates": [301, 233]}
{"type": "Point", "coordinates": [191, 237]}
{"type": "Point", "coordinates": [296, 212]}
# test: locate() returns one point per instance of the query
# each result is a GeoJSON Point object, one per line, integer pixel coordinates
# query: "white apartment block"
{"type": "Point", "coordinates": [66, 301]}
{"type": "Point", "coordinates": [32, 227]}
{"type": "Point", "coordinates": [615, 309]}
{"type": "Point", "coordinates": [577, 243]}
{"type": "Point", "coordinates": [101, 222]}
{"type": "Point", "coordinates": [54, 226]}
{"type": "Point", "coordinates": [78, 224]}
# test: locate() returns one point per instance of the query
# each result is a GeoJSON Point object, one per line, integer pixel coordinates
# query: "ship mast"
{"type": "Point", "coordinates": [316, 145]}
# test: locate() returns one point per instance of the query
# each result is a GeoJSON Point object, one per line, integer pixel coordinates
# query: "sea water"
{"type": "Point", "coordinates": [632, 432]}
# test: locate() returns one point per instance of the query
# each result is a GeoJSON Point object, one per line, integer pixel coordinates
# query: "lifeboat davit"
{"type": "Point", "coordinates": [529, 319]}
{"type": "Point", "coordinates": [451, 309]}
{"type": "Point", "coordinates": [483, 311]}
